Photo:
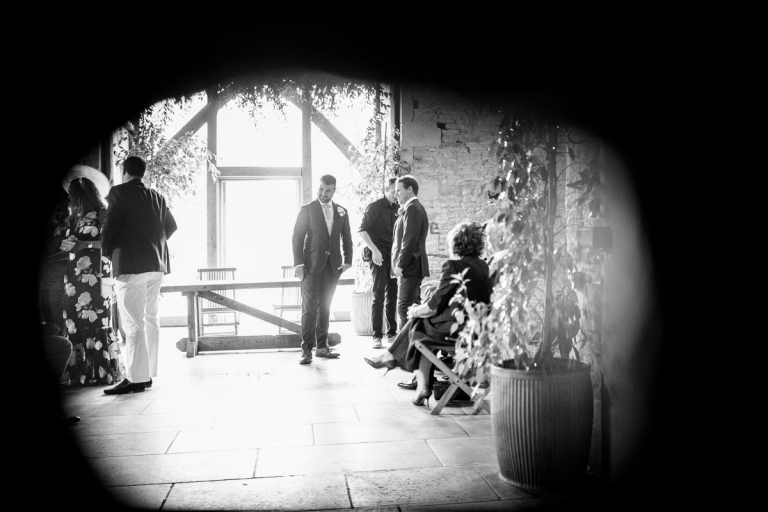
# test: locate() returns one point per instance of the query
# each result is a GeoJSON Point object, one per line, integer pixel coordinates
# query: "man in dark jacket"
{"type": "Point", "coordinates": [409, 254]}
{"type": "Point", "coordinates": [321, 229]}
{"type": "Point", "coordinates": [139, 224]}
{"type": "Point", "coordinates": [376, 231]}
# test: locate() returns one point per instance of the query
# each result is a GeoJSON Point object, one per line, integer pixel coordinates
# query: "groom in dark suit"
{"type": "Point", "coordinates": [409, 254]}
{"type": "Point", "coordinates": [321, 230]}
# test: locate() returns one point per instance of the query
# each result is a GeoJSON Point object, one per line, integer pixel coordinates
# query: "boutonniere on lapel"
{"type": "Point", "coordinates": [340, 211]}
{"type": "Point", "coordinates": [400, 211]}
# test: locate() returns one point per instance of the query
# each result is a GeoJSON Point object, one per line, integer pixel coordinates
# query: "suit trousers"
{"type": "Point", "coordinates": [384, 300]}
{"type": "Point", "coordinates": [408, 293]}
{"type": "Point", "coordinates": [316, 296]}
{"type": "Point", "coordinates": [138, 297]}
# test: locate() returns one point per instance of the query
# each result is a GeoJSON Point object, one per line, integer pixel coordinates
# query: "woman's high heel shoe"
{"type": "Point", "coordinates": [389, 365]}
{"type": "Point", "coordinates": [424, 395]}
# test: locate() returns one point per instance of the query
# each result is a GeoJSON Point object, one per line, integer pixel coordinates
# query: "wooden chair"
{"type": "Point", "coordinates": [211, 309]}
{"type": "Point", "coordinates": [458, 381]}
{"type": "Point", "coordinates": [290, 299]}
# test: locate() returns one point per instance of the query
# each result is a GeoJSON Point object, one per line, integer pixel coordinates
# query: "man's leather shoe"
{"type": "Point", "coordinates": [408, 385]}
{"type": "Point", "coordinates": [391, 338]}
{"type": "Point", "coordinates": [326, 353]}
{"type": "Point", "coordinates": [148, 384]}
{"type": "Point", "coordinates": [125, 387]}
{"type": "Point", "coordinates": [306, 357]}
{"type": "Point", "coordinates": [376, 342]}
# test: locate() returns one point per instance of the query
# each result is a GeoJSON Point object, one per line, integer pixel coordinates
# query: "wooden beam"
{"type": "Point", "coordinates": [306, 150]}
{"type": "Point", "coordinates": [194, 124]}
{"type": "Point", "coordinates": [248, 310]}
{"type": "Point", "coordinates": [334, 135]}
{"type": "Point", "coordinates": [255, 172]}
{"type": "Point", "coordinates": [212, 206]}
{"type": "Point", "coordinates": [200, 286]}
{"type": "Point", "coordinates": [257, 342]}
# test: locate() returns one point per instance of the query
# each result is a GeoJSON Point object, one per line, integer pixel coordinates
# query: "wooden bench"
{"type": "Point", "coordinates": [197, 290]}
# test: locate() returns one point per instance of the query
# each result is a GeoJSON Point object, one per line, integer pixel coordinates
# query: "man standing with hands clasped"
{"type": "Point", "coordinates": [139, 224]}
{"type": "Point", "coordinates": [376, 231]}
{"type": "Point", "coordinates": [409, 255]}
{"type": "Point", "coordinates": [320, 232]}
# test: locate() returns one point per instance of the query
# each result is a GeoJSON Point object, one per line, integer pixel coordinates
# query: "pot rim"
{"type": "Point", "coordinates": [561, 366]}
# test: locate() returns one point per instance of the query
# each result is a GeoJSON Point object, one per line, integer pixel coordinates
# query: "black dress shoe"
{"type": "Point", "coordinates": [306, 357]}
{"type": "Point", "coordinates": [407, 384]}
{"type": "Point", "coordinates": [125, 387]}
{"type": "Point", "coordinates": [148, 384]}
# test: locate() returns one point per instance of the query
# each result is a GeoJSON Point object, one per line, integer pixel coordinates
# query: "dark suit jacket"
{"type": "Point", "coordinates": [311, 243]}
{"type": "Point", "coordinates": [139, 224]}
{"type": "Point", "coordinates": [412, 254]}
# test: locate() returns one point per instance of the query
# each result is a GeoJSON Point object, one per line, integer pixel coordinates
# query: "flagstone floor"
{"type": "Point", "coordinates": [256, 430]}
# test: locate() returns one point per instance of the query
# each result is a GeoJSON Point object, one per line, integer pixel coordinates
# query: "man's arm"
{"type": "Point", "coordinates": [411, 227]}
{"type": "Point", "coordinates": [297, 241]}
{"type": "Point", "coordinates": [346, 244]}
{"type": "Point", "coordinates": [375, 252]}
{"type": "Point", "coordinates": [369, 220]}
{"type": "Point", "coordinates": [170, 223]}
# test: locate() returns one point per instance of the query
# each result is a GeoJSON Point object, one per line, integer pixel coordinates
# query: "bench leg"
{"type": "Point", "coordinates": [192, 320]}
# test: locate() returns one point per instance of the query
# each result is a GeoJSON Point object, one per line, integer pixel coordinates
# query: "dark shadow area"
{"type": "Point", "coordinates": [674, 132]}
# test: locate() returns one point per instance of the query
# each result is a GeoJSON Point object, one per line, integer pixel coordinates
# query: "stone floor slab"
{"type": "Point", "coordinates": [145, 423]}
{"type": "Point", "coordinates": [418, 486]}
{"type": "Point", "coordinates": [118, 445]}
{"type": "Point", "coordinates": [106, 408]}
{"type": "Point", "coordinates": [393, 429]}
{"type": "Point", "coordinates": [142, 497]}
{"type": "Point", "coordinates": [189, 405]}
{"type": "Point", "coordinates": [475, 426]}
{"type": "Point", "coordinates": [174, 468]}
{"type": "Point", "coordinates": [285, 414]}
{"type": "Point", "coordinates": [464, 451]}
{"type": "Point", "coordinates": [386, 411]}
{"type": "Point", "coordinates": [345, 457]}
{"type": "Point", "coordinates": [281, 493]}
{"type": "Point", "coordinates": [261, 436]}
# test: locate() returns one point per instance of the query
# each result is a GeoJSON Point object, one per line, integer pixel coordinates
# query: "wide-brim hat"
{"type": "Point", "coordinates": [83, 171]}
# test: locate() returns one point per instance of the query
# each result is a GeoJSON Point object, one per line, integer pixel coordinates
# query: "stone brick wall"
{"type": "Point", "coordinates": [446, 141]}
{"type": "Point", "coordinates": [591, 263]}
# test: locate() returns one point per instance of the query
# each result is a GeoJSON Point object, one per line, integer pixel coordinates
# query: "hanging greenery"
{"type": "Point", "coordinates": [173, 162]}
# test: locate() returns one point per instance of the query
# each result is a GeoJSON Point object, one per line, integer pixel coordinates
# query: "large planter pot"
{"type": "Point", "coordinates": [360, 313]}
{"type": "Point", "coordinates": [542, 425]}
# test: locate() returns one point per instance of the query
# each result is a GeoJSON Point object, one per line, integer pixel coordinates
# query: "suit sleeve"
{"type": "Point", "coordinates": [299, 234]}
{"type": "Point", "coordinates": [346, 241]}
{"type": "Point", "coordinates": [411, 227]}
{"type": "Point", "coordinates": [170, 223]}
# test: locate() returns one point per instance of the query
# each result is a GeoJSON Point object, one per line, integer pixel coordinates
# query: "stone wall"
{"type": "Point", "coordinates": [445, 140]}
{"type": "Point", "coordinates": [590, 262]}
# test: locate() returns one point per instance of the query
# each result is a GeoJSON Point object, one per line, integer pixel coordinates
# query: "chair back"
{"type": "Point", "coordinates": [290, 296]}
{"type": "Point", "coordinates": [217, 274]}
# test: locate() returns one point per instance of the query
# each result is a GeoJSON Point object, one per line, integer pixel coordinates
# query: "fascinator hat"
{"type": "Point", "coordinates": [83, 171]}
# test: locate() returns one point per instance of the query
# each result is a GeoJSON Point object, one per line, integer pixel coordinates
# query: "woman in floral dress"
{"type": "Point", "coordinates": [86, 310]}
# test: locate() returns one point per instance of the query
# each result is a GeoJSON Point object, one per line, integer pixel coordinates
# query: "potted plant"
{"type": "Point", "coordinates": [526, 343]}
{"type": "Point", "coordinates": [377, 160]}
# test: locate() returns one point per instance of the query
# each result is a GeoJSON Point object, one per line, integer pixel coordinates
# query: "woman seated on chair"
{"type": "Point", "coordinates": [430, 323]}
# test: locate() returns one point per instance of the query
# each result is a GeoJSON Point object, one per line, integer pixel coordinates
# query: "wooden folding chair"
{"type": "Point", "coordinates": [211, 309]}
{"type": "Point", "coordinates": [290, 299]}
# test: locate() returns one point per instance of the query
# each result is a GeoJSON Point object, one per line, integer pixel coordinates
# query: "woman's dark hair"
{"type": "Point", "coordinates": [84, 197]}
{"type": "Point", "coordinates": [467, 239]}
